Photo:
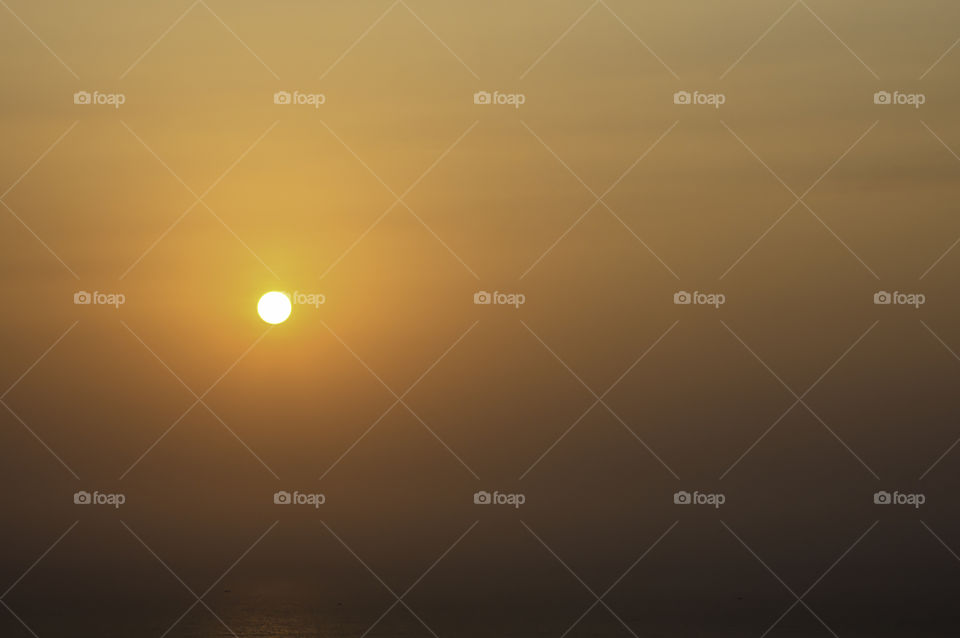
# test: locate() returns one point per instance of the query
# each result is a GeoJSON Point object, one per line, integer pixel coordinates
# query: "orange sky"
{"type": "Point", "coordinates": [399, 198]}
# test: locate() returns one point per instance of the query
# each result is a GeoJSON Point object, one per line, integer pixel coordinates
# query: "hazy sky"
{"type": "Point", "coordinates": [397, 199]}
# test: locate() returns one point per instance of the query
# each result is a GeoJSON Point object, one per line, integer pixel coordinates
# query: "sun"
{"type": "Point", "coordinates": [274, 307]}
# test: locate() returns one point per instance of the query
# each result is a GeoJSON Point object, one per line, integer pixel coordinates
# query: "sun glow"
{"type": "Point", "coordinates": [274, 307]}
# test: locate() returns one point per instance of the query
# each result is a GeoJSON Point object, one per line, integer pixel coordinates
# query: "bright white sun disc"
{"type": "Point", "coordinates": [274, 307]}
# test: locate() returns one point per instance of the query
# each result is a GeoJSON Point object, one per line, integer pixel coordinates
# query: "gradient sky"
{"type": "Point", "coordinates": [199, 194]}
